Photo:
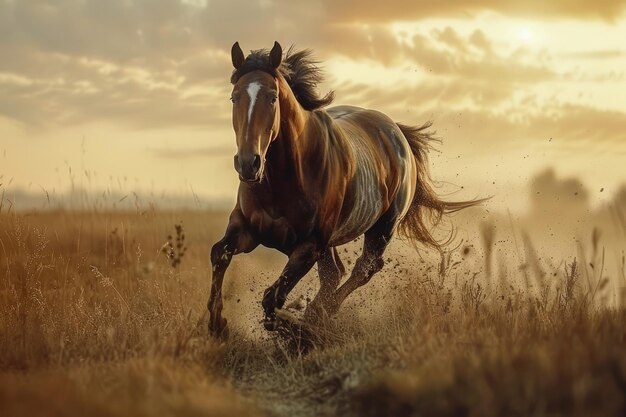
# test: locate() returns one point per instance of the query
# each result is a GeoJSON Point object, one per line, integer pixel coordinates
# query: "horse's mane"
{"type": "Point", "coordinates": [298, 68]}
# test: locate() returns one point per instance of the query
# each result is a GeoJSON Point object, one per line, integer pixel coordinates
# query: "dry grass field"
{"type": "Point", "coordinates": [96, 320]}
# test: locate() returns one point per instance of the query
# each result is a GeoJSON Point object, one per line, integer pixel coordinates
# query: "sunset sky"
{"type": "Point", "coordinates": [134, 94]}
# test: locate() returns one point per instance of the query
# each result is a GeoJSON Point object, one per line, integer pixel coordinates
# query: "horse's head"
{"type": "Point", "coordinates": [256, 113]}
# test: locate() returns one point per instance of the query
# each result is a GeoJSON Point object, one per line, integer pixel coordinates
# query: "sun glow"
{"type": "Point", "coordinates": [526, 35]}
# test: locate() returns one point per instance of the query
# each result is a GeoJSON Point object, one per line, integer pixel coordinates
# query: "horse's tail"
{"type": "Point", "coordinates": [427, 209]}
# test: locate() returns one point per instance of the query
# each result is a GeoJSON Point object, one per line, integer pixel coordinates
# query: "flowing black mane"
{"type": "Point", "coordinates": [298, 68]}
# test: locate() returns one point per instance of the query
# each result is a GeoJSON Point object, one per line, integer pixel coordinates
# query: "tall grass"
{"type": "Point", "coordinates": [102, 313]}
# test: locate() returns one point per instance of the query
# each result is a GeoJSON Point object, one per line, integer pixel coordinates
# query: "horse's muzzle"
{"type": "Point", "coordinates": [248, 167]}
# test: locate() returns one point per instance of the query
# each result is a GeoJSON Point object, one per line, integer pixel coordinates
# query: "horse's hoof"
{"type": "Point", "coordinates": [270, 325]}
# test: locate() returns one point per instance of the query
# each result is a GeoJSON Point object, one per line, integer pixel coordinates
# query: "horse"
{"type": "Point", "coordinates": [312, 178]}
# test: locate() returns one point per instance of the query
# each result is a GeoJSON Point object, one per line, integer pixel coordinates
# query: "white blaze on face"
{"type": "Point", "coordinates": [253, 90]}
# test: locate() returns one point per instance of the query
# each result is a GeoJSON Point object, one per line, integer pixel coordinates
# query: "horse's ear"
{"type": "Point", "coordinates": [236, 54]}
{"type": "Point", "coordinates": [276, 55]}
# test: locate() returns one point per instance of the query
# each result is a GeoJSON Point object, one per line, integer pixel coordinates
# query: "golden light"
{"type": "Point", "coordinates": [526, 35]}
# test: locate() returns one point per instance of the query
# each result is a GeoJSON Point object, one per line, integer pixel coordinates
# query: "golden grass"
{"type": "Point", "coordinates": [99, 315]}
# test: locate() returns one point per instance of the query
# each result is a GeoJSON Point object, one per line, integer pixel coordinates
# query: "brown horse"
{"type": "Point", "coordinates": [312, 179]}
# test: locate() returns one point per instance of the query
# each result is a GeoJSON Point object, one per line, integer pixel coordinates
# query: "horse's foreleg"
{"type": "Point", "coordinates": [300, 262]}
{"type": "Point", "coordinates": [330, 270]}
{"type": "Point", "coordinates": [235, 240]}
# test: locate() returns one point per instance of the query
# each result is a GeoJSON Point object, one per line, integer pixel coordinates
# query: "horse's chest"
{"type": "Point", "coordinates": [277, 226]}
{"type": "Point", "coordinates": [274, 232]}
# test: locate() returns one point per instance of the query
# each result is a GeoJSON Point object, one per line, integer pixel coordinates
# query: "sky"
{"type": "Point", "coordinates": [134, 94]}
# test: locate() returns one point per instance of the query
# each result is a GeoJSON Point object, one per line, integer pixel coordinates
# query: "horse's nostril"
{"type": "Point", "coordinates": [256, 163]}
{"type": "Point", "coordinates": [237, 166]}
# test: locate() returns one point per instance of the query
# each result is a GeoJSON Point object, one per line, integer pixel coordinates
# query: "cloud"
{"type": "Point", "coordinates": [596, 54]}
{"type": "Point", "coordinates": [460, 71]}
{"type": "Point", "coordinates": [474, 58]}
{"type": "Point", "coordinates": [95, 91]}
{"type": "Point", "coordinates": [115, 30]}
{"type": "Point", "coordinates": [377, 11]}
{"type": "Point", "coordinates": [156, 63]}
{"type": "Point", "coordinates": [372, 42]}
{"type": "Point", "coordinates": [142, 63]}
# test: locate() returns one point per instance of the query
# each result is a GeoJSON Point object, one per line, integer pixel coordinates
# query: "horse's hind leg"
{"type": "Point", "coordinates": [330, 270]}
{"type": "Point", "coordinates": [369, 263]}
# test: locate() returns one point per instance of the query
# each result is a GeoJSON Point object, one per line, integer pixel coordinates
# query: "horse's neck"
{"type": "Point", "coordinates": [287, 152]}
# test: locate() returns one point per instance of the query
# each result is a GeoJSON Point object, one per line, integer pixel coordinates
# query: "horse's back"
{"type": "Point", "coordinates": [384, 179]}
{"type": "Point", "coordinates": [351, 116]}
{"type": "Point", "coordinates": [374, 127]}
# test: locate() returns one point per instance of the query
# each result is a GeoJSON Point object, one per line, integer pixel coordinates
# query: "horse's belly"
{"type": "Point", "coordinates": [366, 210]}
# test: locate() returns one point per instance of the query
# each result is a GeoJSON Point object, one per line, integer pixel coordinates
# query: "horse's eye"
{"type": "Point", "coordinates": [274, 98]}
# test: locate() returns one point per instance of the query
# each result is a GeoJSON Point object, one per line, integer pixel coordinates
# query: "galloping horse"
{"type": "Point", "coordinates": [313, 178]}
